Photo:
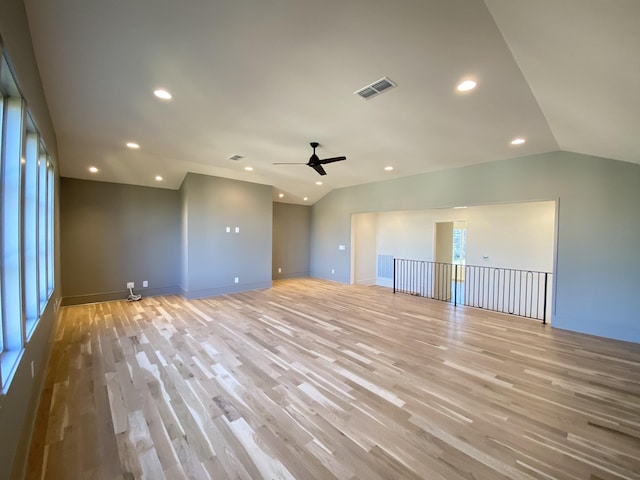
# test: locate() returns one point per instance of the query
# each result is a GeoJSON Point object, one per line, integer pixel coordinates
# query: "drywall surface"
{"type": "Point", "coordinates": [184, 242]}
{"type": "Point", "coordinates": [113, 234]}
{"type": "Point", "coordinates": [18, 404]}
{"type": "Point", "coordinates": [215, 256]}
{"type": "Point", "coordinates": [519, 236]}
{"type": "Point", "coordinates": [291, 240]}
{"type": "Point", "coordinates": [598, 231]}
{"type": "Point", "coordinates": [364, 230]}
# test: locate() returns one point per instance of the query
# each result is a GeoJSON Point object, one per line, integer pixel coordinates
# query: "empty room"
{"type": "Point", "coordinates": [320, 240]}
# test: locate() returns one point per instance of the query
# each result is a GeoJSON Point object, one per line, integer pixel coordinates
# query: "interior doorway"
{"type": "Point", "coordinates": [450, 249]}
{"type": "Point", "coordinates": [443, 256]}
{"type": "Point", "coordinates": [488, 239]}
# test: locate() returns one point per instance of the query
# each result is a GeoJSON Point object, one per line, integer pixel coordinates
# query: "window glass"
{"type": "Point", "coordinates": [50, 228]}
{"type": "Point", "coordinates": [12, 139]}
{"type": "Point", "coordinates": [30, 229]}
{"type": "Point", "coordinates": [1, 309]}
{"type": "Point", "coordinates": [42, 228]}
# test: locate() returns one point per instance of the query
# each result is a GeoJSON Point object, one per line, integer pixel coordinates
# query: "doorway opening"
{"type": "Point", "coordinates": [491, 251]}
{"type": "Point", "coordinates": [450, 250]}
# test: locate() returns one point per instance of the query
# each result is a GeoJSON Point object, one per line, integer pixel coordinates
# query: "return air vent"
{"type": "Point", "coordinates": [375, 88]}
{"type": "Point", "coordinates": [235, 157]}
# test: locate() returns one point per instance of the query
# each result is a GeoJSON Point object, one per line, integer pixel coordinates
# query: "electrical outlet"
{"type": "Point", "coordinates": [279, 270]}
{"type": "Point", "coordinates": [333, 271]}
{"type": "Point", "coordinates": [236, 280]}
{"type": "Point", "coordinates": [131, 285]}
{"type": "Point", "coordinates": [145, 283]}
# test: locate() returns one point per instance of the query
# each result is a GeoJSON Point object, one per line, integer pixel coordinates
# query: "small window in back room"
{"type": "Point", "coordinates": [459, 245]}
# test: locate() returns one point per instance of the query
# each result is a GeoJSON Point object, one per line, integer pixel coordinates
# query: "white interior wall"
{"type": "Point", "coordinates": [519, 236]}
{"type": "Point", "coordinates": [411, 234]}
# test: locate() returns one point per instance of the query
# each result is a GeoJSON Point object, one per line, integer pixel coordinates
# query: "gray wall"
{"type": "Point", "coordinates": [214, 257]}
{"type": "Point", "coordinates": [112, 234]}
{"type": "Point", "coordinates": [18, 405]}
{"type": "Point", "coordinates": [598, 259]}
{"type": "Point", "coordinates": [291, 240]}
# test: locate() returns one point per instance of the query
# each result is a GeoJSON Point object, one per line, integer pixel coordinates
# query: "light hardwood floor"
{"type": "Point", "coordinates": [312, 379]}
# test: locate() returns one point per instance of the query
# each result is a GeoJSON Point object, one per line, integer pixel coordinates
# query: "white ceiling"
{"type": "Point", "coordinates": [263, 79]}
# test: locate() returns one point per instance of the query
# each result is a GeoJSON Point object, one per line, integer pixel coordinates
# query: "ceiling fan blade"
{"type": "Point", "coordinates": [319, 169]}
{"type": "Point", "coordinates": [331, 160]}
{"type": "Point", "coordinates": [289, 163]}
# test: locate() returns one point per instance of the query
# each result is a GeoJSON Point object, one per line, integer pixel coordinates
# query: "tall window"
{"type": "Point", "coordinates": [27, 177]}
{"type": "Point", "coordinates": [42, 228]}
{"type": "Point", "coordinates": [50, 233]}
{"type": "Point", "coordinates": [1, 289]}
{"type": "Point", "coordinates": [11, 215]}
{"type": "Point", "coordinates": [30, 229]}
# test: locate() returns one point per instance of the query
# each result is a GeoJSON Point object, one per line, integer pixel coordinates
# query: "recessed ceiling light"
{"type": "Point", "coordinates": [518, 141]}
{"type": "Point", "coordinates": [158, 178]}
{"type": "Point", "coordinates": [93, 169]}
{"type": "Point", "coordinates": [249, 169]}
{"type": "Point", "coordinates": [389, 168]}
{"type": "Point", "coordinates": [133, 145]}
{"type": "Point", "coordinates": [281, 195]}
{"type": "Point", "coordinates": [467, 85]}
{"type": "Point", "coordinates": [318, 182]}
{"type": "Point", "coordinates": [306, 198]}
{"type": "Point", "coordinates": [162, 93]}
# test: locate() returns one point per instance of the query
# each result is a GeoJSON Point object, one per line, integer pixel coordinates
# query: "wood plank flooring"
{"type": "Point", "coordinates": [312, 379]}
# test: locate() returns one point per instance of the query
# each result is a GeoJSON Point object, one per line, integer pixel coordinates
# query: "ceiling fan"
{"type": "Point", "coordinates": [315, 162]}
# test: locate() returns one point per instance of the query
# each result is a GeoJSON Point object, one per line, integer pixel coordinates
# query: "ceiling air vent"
{"type": "Point", "coordinates": [235, 157]}
{"type": "Point", "coordinates": [375, 88]}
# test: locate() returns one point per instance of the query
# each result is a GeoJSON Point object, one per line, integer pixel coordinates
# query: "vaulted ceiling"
{"type": "Point", "coordinates": [263, 79]}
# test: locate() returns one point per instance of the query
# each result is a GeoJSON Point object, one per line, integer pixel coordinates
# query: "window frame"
{"type": "Point", "coordinates": [11, 180]}
{"type": "Point", "coordinates": [27, 224]}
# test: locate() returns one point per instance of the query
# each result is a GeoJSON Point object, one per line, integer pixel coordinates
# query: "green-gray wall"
{"type": "Point", "coordinates": [598, 232]}
{"type": "Point", "coordinates": [18, 405]}
{"type": "Point", "coordinates": [215, 257]}
{"type": "Point", "coordinates": [291, 240]}
{"type": "Point", "coordinates": [112, 234]}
